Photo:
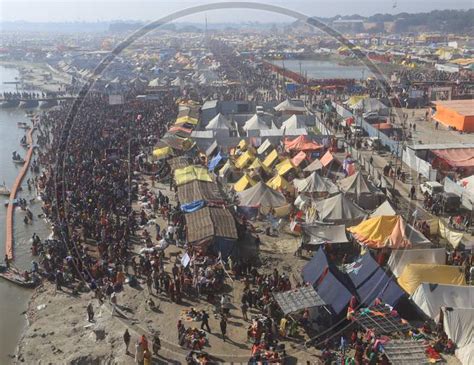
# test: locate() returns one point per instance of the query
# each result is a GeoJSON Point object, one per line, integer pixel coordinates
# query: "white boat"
{"type": "Point", "coordinates": [4, 190]}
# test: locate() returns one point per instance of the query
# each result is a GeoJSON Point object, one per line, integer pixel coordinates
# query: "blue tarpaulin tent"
{"type": "Point", "coordinates": [215, 161]}
{"type": "Point", "coordinates": [193, 206]}
{"type": "Point", "coordinates": [315, 268]}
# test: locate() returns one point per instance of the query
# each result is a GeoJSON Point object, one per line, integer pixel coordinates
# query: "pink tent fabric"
{"type": "Point", "coordinates": [459, 157]}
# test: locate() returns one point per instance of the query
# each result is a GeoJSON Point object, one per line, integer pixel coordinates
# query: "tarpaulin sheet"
{"type": "Point", "coordinates": [357, 184]}
{"type": "Point", "coordinates": [186, 120]}
{"type": "Point", "coordinates": [457, 157]}
{"type": "Point", "coordinates": [400, 258]}
{"type": "Point", "coordinates": [338, 209]}
{"type": "Point", "coordinates": [191, 173]}
{"type": "Point", "coordinates": [244, 160]}
{"type": "Point", "coordinates": [271, 158]}
{"type": "Point", "coordinates": [458, 323]}
{"type": "Point", "coordinates": [316, 234]}
{"type": "Point", "coordinates": [312, 271]}
{"type": "Point", "coordinates": [261, 195]}
{"type": "Point", "coordinates": [315, 184]}
{"type": "Point", "coordinates": [452, 236]}
{"type": "Point", "coordinates": [243, 183]}
{"type": "Point", "coordinates": [415, 274]}
{"type": "Point", "coordinates": [298, 299]}
{"type": "Point", "coordinates": [381, 286]}
{"type": "Point", "coordinates": [215, 161]}
{"type": "Point", "coordinates": [301, 143]}
{"type": "Point", "coordinates": [326, 159]}
{"type": "Point", "coordinates": [431, 297]}
{"type": "Point", "coordinates": [298, 159]}
{"type": "Point", "coordinates": [278, 183]}
{"type": "Point", "coordinates": [162, 152]}
{"type": "Point", "coordinates": [193, 206]}
{"type": "Point", "coordinates": [333, 292]}
{"type": "Point", "coordinates": [283, 167]}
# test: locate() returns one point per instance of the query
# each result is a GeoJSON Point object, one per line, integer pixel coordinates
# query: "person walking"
{"type": "Point", "coordinates": [126, 340]}
{"type": "Point", "coordinates": [244, 307]}
{"type": "Point", "coordinates": [90, 312]}
{"type": "Point", "coordinates": [205, 321]}
{"type": "Point", "coordinates": [113, 302]}
{"type": "Point", "coordinates": [223, 325]}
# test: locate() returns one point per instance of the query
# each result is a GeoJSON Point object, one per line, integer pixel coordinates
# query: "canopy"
{"type": "Point", "coordinates": [244, 160]}
{"type": "Point", "coordinates": [219, 122]}
{"type": "Point", "coordinates": [291, 106]}
{"type": "Point", "coordinates": [317, 234]}
{"type": "Point", "coordinates": [298, 299]}
{"type": "Point", "coordinates": [459, 157]}
{"type": "Point", "coordinates": [458, 325]}
{"type": "Point", "coordinates": [187, 120]}
{"type": "Point", "coordinates": [255, 123]}
{"type": "Point", "coordinates": [163, 152]}
{"type": "Point", "coordinates": [270, 159]}
{"type": "Point", "coordinates": [327, 159]}
{"type": "Point", "coordinates": [314, 166]}
{"type": "Point", "coordinates": [400, 258]}
{"type": "Point", "coordinates": [298, 158]}
{"type": "Point", "coordinates": [191, 173]}
{"type": "Point", "coordinates": [278, 182]}
{"type": "Point", "coordinates": [244, 182]}
{"type": "Point", "coordinates": [415, 274]}
{"type": "Point", "coordinates": [315, 184]}
{"type": "Point", "coordinates": [283, 167]}
{"type": "Point", "coordinates": [293, 122]}
{"type": "Point", "coordinates": [257, 164]}
{"type": "Point", "coordinates": [261, 195]}
{"type": "Point", "coordinates": [210, 222]}
{"type": "Point", "coordinates": [371, 105]}
{"type": "Point", "coordinates": [356, 184]}
{"type": "Point", "coordinates": [431, 297]}
{"type": "Point", "coordinates": [264, 146]}
{"type": "Point", "coordinates": [383, 231]}
{"type": "Point", "coordinates": [338, 208]}
{"type": "Point", "coordinates": [384, 209]}
{"type": "Point", "coordinates": [199, 190]}
{"type": "Point", "coordinates": [353, 100]}
{"type": "Point", "coordinates": [215, 161]}
{"type": "Point", "coordinates": [301, 143]}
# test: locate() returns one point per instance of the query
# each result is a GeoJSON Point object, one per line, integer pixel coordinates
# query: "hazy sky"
{"type": "Point", "coordinates": [93, 10]}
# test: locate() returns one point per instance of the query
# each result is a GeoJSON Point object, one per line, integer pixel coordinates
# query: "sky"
{"type": "Point", "coordinates": [146, 10]}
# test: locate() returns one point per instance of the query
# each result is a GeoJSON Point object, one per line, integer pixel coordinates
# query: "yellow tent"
{"type": "Point", "coordinates": [227, 166]}
{"type": "Point", "coordinates": [256, 164]}
{"type": "Point", "coordinates": [415, 274]}
{"type": "Point", "coordinates": [283, 167]}
{"type": "Point", "coordinates": [191, 173]}
{"type": "Point", "coordinates": [278, 182]}
{"type": "Point", "coordinates": [242, 144]}
{"type": "Point", "coordinates": [270, 159]}
{"type": "Point", "coordinates": [353, 100]}
{"type": "Point", "coordinates": [244, 160]}
{"type": "Point", "coordinates": [463, 61]}
{"type": "Point", "coordinates": [186, 119]}
{"type": "Point", "coordinates": [163, 152]}
{"type": "Point", "coordinates": [244, 182]}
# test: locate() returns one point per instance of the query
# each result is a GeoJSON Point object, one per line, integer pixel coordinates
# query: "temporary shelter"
{"type": "Point", "coordinates": [244, 159]}
{"type": "Point", "coordinates": [244, 183]}
{"type": "Point", "coordinates": [386, 231]}
{"type": "Point", "coordinates": [356, 184]}
{"type": "Point", "coordinates": [368, 105]}
{"type": "Point", "coordinates": [458, 325]}
{"type": "Point", "coordinates": [314, 166]}
{"type": "Point", "coordinates": [353, 100]}
{"type": "Point", "coordinates": [283, 167]}
{"type": "Point", "coordinates": [315, 184]}
{"type": "Point", "coordinates": [264, 147]}
{"type": "Point", "coordinates": [160, 153]}
{"type": "Point", "coordinates": [271, 158]}
{"type": "Point", "coordinates": [199, 191]}
{"type": "Point", "coordinates": [301, 143]}
{"type": "Point", "coordinates": [384, 209]}
{"type": "Point", "coordinates": [400, 258]}
{"type": "Point", "coordinates": [279, 183]}
{"type": "Point", "coordinates": [291, 106]}
{"type": "Point", "coordinates": [293, 122]}
{"type": "Point", "coordinates": [255, 123]}
{"type": "Point", "coordinates": [261, 195]}
{"type": "Point", "coordinates": [317, 234]}
{"type": "Point", "coordinates": [219, 122]}
{"type": "Point", "coordinates": [191, 173]}
{"type": "Point", "coordinates": [218, 159]}
{"type": "Point", "coordinates": [415, 274]}
{"type": "Point", "coordinates": [187, 120]}
{"type": "Point", "coordinates": [298, 158]}
{"type": "Point", "coordinates": [338, 209]}
{"type": "Point", "coordinates": [431, 297]}
{"type": "Point", "coordinates": [456, 113]}
{"type": "Point", "coordinates": [257, 164]}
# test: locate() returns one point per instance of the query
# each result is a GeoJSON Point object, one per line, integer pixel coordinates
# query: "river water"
{"type": "Point", "coordinates": [13, 299]}
{"type": "Point", "coordinates": [317, 69]}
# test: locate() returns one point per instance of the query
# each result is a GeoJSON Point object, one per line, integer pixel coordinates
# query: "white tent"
{"type": "Point", "coordinates": [368, 105]}
{"type": "Point", "coordinates": [255, 123]}
{"type": "Point", "coordinates": [400, 258]}
{"type": "Point", "coordinates": [384, 209]}
{"type": "Point", "coordinates": [291, 106]}
{"type": "Point", "coordinates": [315, 184]}
{"type": "Point", "coordinates": [458, 323]}
{"type": "Point", "coordinates": [219, 122]}
{"type": "Point", "coordinates": [293, 122]}
{"type": "Point", "coordinates": [431, 297]}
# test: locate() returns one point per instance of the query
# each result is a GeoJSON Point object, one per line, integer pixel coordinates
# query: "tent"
{"type": "Point", "coordinates": [293, 122]}
{"type": "Point", "coordinates": [283, 167]}
{"type": "Point", "coordinates": [431, 297]}
{"type": "Point", "coordinates": [318, 273]}
{"type": "Point", "coordinates": [244, 182]}
{"type": "Point", "coordinates": [368, 105]}
{"type": "Point", "coordinates": [219, 122]}
{"type": "Point", "coordinates": [458, 325]}
{"type": "Point", "coordinates": [301, 143]}
{"type": "Point", "coordinates": [261, 195]}
{"type": "Point", "coordinates": [160, 153]}
{"type": "Point", "coordinates": [244, 159]}
{"type": "Point", "coordinates": [338, 209]}
{"type": "Point", "coordinates": [356, 184]}
{"type": "Point", "coordinates": [415, 274]}
{"type": "Point", "coordinates": [456, 113]}
{"type": "Point", "coordinates": [291, 106]}
{"type": "Point", "coordinates": [353, 100]}
{"type": "Point", "coordinates": [215, 161]}
{"type": "Point", "coordinates": [255, 123]}
{"type": "Point", "coordinates": [257, 164]}
{"type": "Point", "coordinates": [384, 209]}
{"type": "Point", "coordinates": [313, 166]}
{"type": "Point", "coordinates": [317, 234]}
{"type": "Point", "coordinates": [371, 281]}
{"type": "Point", "coordinates": [298, 299]}
{"type": "Point", "coordinates": [387, 231]}
{"type": "Point", "coordinates": [315, 184]}
{"type": "Point", "coordinates": [279, 183]}
{"type": "Point", "coordinates": [264, 146]}
{"type": "Point", "coordinates": [228, 166]}
{"type": "Point", "coordinates": [191, 173]}
{"type": "Point", "coordinates": [187, 120]}
{"type": "Point", "coordinates": [199, 190]}
{"type": "Point", "coordinates": [271, 158]}
{"type": "Point", "coordinates": [400, 258]}
{"type": "Point", "coordinates": [327, 159]}
{"type": "Point", "coordinates": [298, 158]}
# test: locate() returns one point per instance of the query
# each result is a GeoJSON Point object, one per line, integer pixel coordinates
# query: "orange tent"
{"type": "Point", "coordinates": [299, 158]}
{"type": "Point", "coordinates": [301, 143]}
{"type": "Point", "coordinates": [327, 159]}
{"type": "Point", "coordinates": [456, 113]}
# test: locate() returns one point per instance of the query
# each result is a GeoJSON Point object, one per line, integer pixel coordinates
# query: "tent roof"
{"type": "Point", "coordinates": [199, 190]}
{"type": "Point", "coordinates": [261, 195]}
{"type": "Point", "coordinates": [316, 234]}
{"type": "Point", "coordinates": [244, 182]}
{"type": "Point", "coordinates": [283, 167]}
{"type": "Point", "coordinates": [301, 143]}
{"type": "Point", "coordinates": [291, 105]}
{"type": "Point", "coordinates": [356, 184]}
{"type": "Point", "coordinates": [369, 105]}
{"type": "Point", "coordinates": [431, 297]}
{"type": "Point", "coordinates": [457, 157]}
{"type": "Point", "coordinates": [338, 207]}
{"type": "Point", "coordinates": [384, 209]}
{"type": "Point", "coordinates": [278, 182]}
{"type": "Point", "coordinates": [415, 274]}
{"type": "Point", "coordinates": [314, 166]}
{"type": "Point", "coordinates": [191, 173]}
{"type": "Point", "coordinates": [219, 122]}
{"type": "Point", "coordinates": [298, 299]}
{"type": "Point", "coordinates": [298, 158]}
{"type": "Point", "coordinates": [264, 146]}
{"type": "Point", "coordinates": [244, 159]}
{"type": "Point", "coordinates": [255, 123]}
{"type": "Point", "coordinates": [459, 325]}
{"type": "Point", "coordinates": [380, 319]}
{"type": "Point", "coordinates": [270, 159]}
{"type": "Point", "coordinates": [293, 122]}
{"type": "Point", "coordinates": [406, 352]}
{"type": "Point", "coordinates": [315, 184]}
{"type": "Point", "coordinates": [210, 222]}
{"type": "Point", "coordinates": [400, 258]}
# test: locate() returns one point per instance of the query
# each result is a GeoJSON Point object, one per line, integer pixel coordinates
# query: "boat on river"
{"type": "Point", "coordinates": [14, 276]}
{"type": "Point", "coordinates": [4, 190]}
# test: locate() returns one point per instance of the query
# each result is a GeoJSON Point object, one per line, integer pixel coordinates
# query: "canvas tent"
{"type": "Point", "coordinates": [255, 123]}
{"type": "Point", "coordinates": [338, 209]}
{"type": "Point", "coordinates": [219, 122]}
{"type": "Point", "coordinates": [301, 143]}
{"type": "Point", "coordinates": [244, 182]}
{"type": "Point", "coordinates": [261, 195]}
{"type": "Point", "coordinates": [431, 297]}
{"type": "Point", "coordinates": [317, 234]}
{"type": "Point", "coordinates": [244, 159]}
{"type": "Point", "coordinates": [386, 231]}
{"type": "Point", "coordinates": [271, 158]}
{"type": "Point", "coordinates": [264, 147]}
{"type": "Point", "coordinates": [315, 184]}
{"type": "Point", "coordinates": [284, 166]}
{"type": "Point", "coordinates": [415, 274]}
{"type": "Point", "coordinates": [384, 209]}
{"type": "Point", "coordinates": [458, 323]}
{"type": "Point", "coordinates": [314, 166]}
{"type": "Point", "coordinates": [293, 122]}
{"type": "Point", "coordinates": [368, 105]}
{"type": "Point", "coordinates": [400, 258]}
{"type": "Point", "coordinates": [199, 190]}
{"type": "Point", "coordinates": [191, 173]}
{"type": "Point", "coordinates": [279, 183]}
{"type": "Point", "coordinates": [291, 106]}
{"type": "Point", "coordinates": [357, 184]}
